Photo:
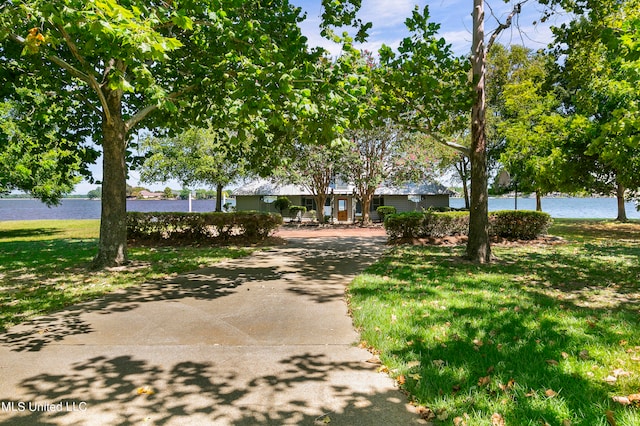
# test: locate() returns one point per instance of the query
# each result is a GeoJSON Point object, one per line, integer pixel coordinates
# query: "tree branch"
{"type": "Point", "coordinates": [517, 8]}
{"type": "Point", "coordinates": [93, 83]}
{"type": "Point", "coordinates": [75, 72]}
{"type": "Point", "coordinates": [140, 115]}
{"type": "Point", "coordinates": [461, 148]}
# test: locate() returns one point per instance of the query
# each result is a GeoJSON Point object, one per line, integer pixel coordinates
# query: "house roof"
{"type": "Point", "coordinates": [266, 187]}
{"type": "Point", "coordinates": [424, 188]}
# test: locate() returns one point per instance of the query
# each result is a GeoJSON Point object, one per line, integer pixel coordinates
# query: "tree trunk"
{"type": "Point", "coordinates": [465, 185]}
{"type": "Point", "coordinates": [219, 197]}
{"type": "Point", "coordinates": [538, 201]}
{"type": "Point", "coordinates": [366, 204]}
{"type": "Point", "coordinates": [321, 199]}
{"type": "Point", "coordinates": [112, 247]}
{"type": "Point", "coordinates": [463, 174]}
{"type": "Point", "coordinates": [622, 212]}
{"type": "Point", "coordinates": [478, 247]}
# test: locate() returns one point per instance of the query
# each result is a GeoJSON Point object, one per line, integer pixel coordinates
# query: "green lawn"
{"type": "Point", "coordinates": [43, 266]}
{"type": "Point", "coordinates": [546, 334]}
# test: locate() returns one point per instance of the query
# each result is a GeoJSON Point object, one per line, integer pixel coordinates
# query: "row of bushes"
{"type": "Point", "coordinates": [251, 226]}
{"type": "Point", "coordinates": [518, 224]}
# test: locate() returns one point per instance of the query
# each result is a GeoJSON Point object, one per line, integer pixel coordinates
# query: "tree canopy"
{"type": "Point", "coordinates": [113, 68]}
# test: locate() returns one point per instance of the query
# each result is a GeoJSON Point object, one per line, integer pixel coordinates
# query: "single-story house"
{"type": "Point", "coordinates": [148, 195]}
{"type": "Point", "coordinates": [342, 205]}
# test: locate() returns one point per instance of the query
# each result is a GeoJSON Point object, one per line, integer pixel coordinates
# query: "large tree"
{"type": "Point", "coordinates": [427, 85]}
{"type": "Point", "coordinates": [528, 127]}
{"type": "Point", "coordinates": [115, 67]}
{"type": "Point", "coordinates": [598, 70]}
{"type": "Point", "coordinates": [383, 154]}
{"type": "Point", "coordinates": [197, 156]}
{"type": "Point", "coordinates": [38, 158]}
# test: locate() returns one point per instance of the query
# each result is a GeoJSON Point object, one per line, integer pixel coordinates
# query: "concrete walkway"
{"type": "Point", "coordinates": [264, 340]}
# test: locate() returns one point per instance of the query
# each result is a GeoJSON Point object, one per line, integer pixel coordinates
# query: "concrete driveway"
{"type": "Point", "coordinates": [263, 340]}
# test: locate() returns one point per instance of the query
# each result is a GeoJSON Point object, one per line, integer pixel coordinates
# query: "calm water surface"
{"type": "Point", "coordinates": [19, 209]}
{"type": "Point", "coordinates": [569, 207]}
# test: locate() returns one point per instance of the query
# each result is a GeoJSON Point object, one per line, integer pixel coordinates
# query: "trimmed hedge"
{"type": "Point", "coordinates": [520, 224]}
{"type": "Point", "coordinates": [404, 225]}
{"type": "Point", "coordinates": [438, 224]}
{"type": "Point", "coordinates": [384, 211]}
{"type": "Point", "coordinates": [216, 226]}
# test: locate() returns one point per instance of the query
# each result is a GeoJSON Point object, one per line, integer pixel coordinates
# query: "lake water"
{"type": "Point", "coordinates": [20, 209]}
{"type": "Point", "coordinates": [565, 207]}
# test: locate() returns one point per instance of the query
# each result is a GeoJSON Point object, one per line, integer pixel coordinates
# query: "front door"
{"type": "Point", "coordinates": [343, 214]}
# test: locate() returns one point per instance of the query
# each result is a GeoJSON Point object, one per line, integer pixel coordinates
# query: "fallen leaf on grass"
{"type": "Point", "coordinates": [611, 379]}
{"type": "Point", "coordinates": [401, 379]}
{"type": "Point", "coordinates": [510, 384]}
{"type": "Point", "coordinates": [566, 422]}
{"type": "Point", "coordinates": [550, 393]}
{"type": "Point", "coordinates": [415, 377]}
{"type": "Point", "coordinates": [552, 362]}
{"type": "Point", "coordinates": [618, 372]}
{"type": "Point", "coordinates": [459, 421]}
{"type": "Point", "coordinates": [497, 420]}
{"type": "Point", "coordinates": [426, 413]}
{"type": "Point", "coordinates": [484, 381]}
{"type": "Point", "coordinates": [412, 364]}
{"type": "Point", "coordinates": [627, 400]}
{"type": "Point", "coordinates": [610, 418]}
{"type": "Point", "coordinates": [623, 400]}
{"type": "Point", "coordinates": [584, 354]}
{"type": "Point", "coordinates": [564, 355]}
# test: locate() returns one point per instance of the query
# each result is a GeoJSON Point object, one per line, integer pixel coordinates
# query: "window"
{"type": "Point", "coordinates": [309, 203]}
{"type": "Point", "coordinates": [376, 202]}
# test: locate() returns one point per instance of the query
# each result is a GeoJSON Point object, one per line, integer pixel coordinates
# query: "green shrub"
{"type": "Point", "coordinates": [253, 226]}
{"type": "Point", "coordinates": [403, 225]}
{"type": "Point", "coordinates": [282, 203]}
{"type": "Point", "coordinates": [444, 224]}
{"type": "Point", "coordinates": [520, 224]}
{"type": "Point", "coordinates": [256, 226]}
{"type": "Point", "coordinates": [384, 211]}
{"type": "Point", "coordinates": [297, 212]}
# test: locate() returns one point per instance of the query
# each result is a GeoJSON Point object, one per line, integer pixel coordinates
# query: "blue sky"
{"type": "Point", "coordinates": [388, 16]}
{"type": "Point", "coordinates": [454, 16]}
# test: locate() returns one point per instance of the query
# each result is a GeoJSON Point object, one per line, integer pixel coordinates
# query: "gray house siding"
{"type": "Point", "coordinates": [251, 196]}
{"type": "Point", "coordinates": [403, 204]}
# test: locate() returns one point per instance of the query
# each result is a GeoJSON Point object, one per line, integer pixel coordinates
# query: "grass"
{"type": "Point", "coordinates": [43, 266]}
{"type": "Point", "coordinates": [545, 335]}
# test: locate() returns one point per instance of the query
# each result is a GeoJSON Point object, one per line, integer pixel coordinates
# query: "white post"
{"type": "Point", "coordinates": [189, 201]}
